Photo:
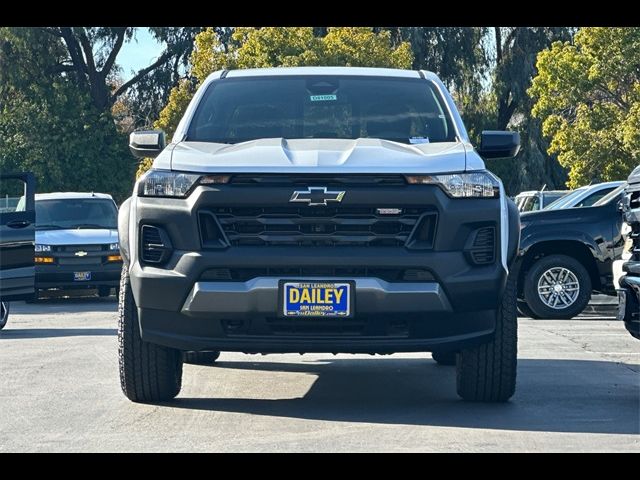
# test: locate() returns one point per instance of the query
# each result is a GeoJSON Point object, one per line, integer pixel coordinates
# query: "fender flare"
{"type": "Point", "coordinates": [514, 231]}
{"type": "Point", "coordinates": [123, 230]}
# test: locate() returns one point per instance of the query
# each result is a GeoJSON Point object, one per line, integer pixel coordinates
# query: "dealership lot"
{"type": "Point", "coordinates": [579, 389]}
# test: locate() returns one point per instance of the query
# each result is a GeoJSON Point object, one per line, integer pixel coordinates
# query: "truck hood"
{"type": "Point", "coordinates": [85, 236]}
{"type": "Point", "coordinates": [364, 155]}
{"type": "Point", "coordinates": [561, 217]}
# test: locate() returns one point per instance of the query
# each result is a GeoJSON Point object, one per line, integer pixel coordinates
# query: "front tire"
{"type": "Point", "coordinates": [557, 287]}
{"type": "Point", "coordinates": [4, 314]}
{"type": "Point", "coordinates": [148, 372]}
{"type": "Point", "coordinates": [487, 373]}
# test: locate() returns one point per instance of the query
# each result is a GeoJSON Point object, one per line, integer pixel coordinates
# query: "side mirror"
{"type": "Point", "coordinates": [499, 144]}
{"type": "Point", "coordinates": [147, 143]}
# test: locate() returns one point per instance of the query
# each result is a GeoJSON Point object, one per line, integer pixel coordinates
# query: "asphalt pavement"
{"type": "Point", "coordinates": [578, 390]}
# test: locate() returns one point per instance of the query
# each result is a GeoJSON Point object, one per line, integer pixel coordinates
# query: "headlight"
{"type": "Point", "coordinates": [462, 185]}
{"type": "Point", "coordinates": [164, 183]}
{"type": "Point", "coordinates": [114, 246]}
{"type": "Point", "coordinates": [42, 248]}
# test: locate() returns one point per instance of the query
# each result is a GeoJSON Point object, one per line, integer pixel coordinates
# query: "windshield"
{"type": "Point", "coordinates": [550, 197]}
{"type": "Point", "coordinates": [404, 110]}
{"type": "Point", "coordinates": [530, 204]}
{"type": "Point", "coordinates": [76, 213]}
{"type": "Point", "coordinates": [566, 200]}
{"type": "Point", "coordinates": [610, 196]}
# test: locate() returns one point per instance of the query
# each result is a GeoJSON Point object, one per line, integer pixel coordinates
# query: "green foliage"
{"type": "Point", "coordinates": [588, 96]}
{"type": "Point", "coordinates": [50, 127]}
{"type": "Point", "coordinates": [179, 99]}
{"type": "Point", "coordinates": [282, 47]}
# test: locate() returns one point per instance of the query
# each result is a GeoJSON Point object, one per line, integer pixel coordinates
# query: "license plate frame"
{"type": "Point", "coordinates": [283, 312]}
{"type": "Point", "coordinates": [81, 276]}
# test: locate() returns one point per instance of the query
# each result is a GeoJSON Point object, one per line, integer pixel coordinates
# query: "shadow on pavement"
{"type": "Point", "coordinates": [66, 305]}
{"type": "Point", "coordinates": [56, 332]}
{"type": "Point", "coordinates": [553, 395]}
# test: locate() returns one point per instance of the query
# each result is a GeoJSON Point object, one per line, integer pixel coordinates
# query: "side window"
{"type": "Point", "coordinates": [593, 198]}
{"type": "Point", "coordinates": [12, 195]}
{"type": "Point", "coordinates": [531, 204]}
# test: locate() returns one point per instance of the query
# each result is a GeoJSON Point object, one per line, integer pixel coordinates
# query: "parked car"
{"type": "Point", "coordinates": [627, 253]}
{"type": "Point", "coordinates": [629, 285]}
{"type": "Point", "coordinates": [565, 255]}
{"type": "Point", "coordinates": [319, 209]}
{"type": "Point", "coordinates": [77, 242]}
{"type": "Point", "coordinates": [584, 196]}
{"type": "Point", "coordinates": [534, 200]}
{"type": "Point", "coordinates": [17, 236]}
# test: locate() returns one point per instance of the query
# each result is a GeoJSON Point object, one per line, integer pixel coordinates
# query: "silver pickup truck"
{"type": "Point", "coordinates": [322, 209]}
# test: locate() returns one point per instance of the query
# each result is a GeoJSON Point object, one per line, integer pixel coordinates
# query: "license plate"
{"type": "Point", "coordinates": [81, 276]}
{"type": "Point", "coordinates": [622, 304]}
{"type": "Point", "coordinates": [316, 299]}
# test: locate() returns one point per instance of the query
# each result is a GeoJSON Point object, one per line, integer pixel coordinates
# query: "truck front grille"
{"type": "Point", "coordinates": [386, 274]}
{"type": "Point", "coordinates": [326, 226]}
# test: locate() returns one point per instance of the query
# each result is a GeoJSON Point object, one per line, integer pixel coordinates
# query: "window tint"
{"type": "Point", "coordinates": [12, 190]}
{"type": "Point", "coordinates": [594, 197]}
{"type": "Point", "coordinates": [76, 213]}
{"type": "Point", "coordinates": [566, 200]}
{"type": "Point", "coordinates": [532, 204]}
{"type": "Point", "coordinates": [612, 195]}
{"type": "Point", "coordinates": [552, 197]}
{"type": "Point", "coordinates": [400, 109]}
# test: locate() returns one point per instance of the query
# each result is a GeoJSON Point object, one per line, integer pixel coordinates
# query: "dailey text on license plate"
{"type": "Point", "coordinates": [316, 299]}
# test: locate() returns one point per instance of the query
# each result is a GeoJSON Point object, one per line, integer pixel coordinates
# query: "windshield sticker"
{"type": "Point", "coordinates": [416, 140]}
{"type": "Point", "coordinates": [324, 98]}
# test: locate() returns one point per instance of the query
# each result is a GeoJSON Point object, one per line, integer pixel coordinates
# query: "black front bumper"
{"type": "Point", "coordinates": [178, 309]}
{"type": "Point", "coordinates": [181, 307]}
{"type": "Point", "coordinates": [62, 276]}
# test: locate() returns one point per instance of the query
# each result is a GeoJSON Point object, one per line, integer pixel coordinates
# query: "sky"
{"type": "Point", "coordinates": [138, 53]}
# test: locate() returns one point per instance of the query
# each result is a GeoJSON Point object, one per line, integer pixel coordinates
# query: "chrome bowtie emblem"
{"type": "Point", "coordinates": [315, 196]}
{"type": "Point", "coordinates": [81, 253]}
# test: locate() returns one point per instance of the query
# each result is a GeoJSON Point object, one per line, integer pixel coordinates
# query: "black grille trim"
{"type": "Point", "coordinates": [319, 327]}
{"type": "Point", "coordinates": [324, 226]}
{"type": "Point", "coordinates": [483, 250]}
{"type": "Point", "coordinates": [155, 245]}
{"type": "Point", "coordinates": [302, 179]}
{"type": "Point", "coordinates": [386, 274]}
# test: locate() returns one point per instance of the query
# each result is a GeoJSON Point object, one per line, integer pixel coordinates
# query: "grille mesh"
{"type": "Point", "coordinates": [317, 226]}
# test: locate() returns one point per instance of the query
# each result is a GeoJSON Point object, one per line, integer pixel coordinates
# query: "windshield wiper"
{"type": "Point", "coordinates": [92, 225]}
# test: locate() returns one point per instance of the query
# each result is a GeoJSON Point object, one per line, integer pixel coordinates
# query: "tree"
{"type": "Point", "coordinates": [51, 128]}
{"type": "Point", "coordinates": [457, 54]}
{"type": "Point", "coordinates": [514, 66]}
{"type": "Point", "coordinates": [281, 46]}
{"type": "Point", "coordinates": [59, 90]}
{"type": "Point", "coordinates": [90, 54]}
{"type": "Point", "coordinates": [588, 97]}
